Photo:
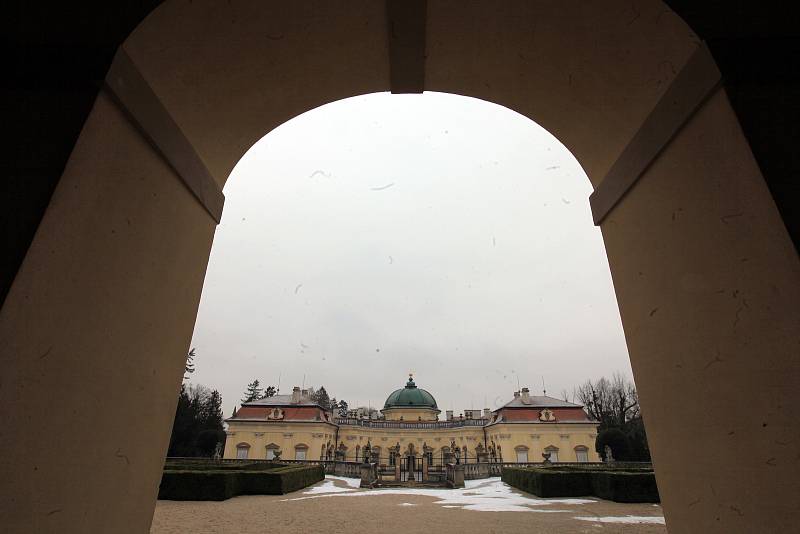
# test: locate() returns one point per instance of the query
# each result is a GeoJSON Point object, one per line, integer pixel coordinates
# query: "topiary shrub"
{"type": "Point", "coordinates": [548, 482]}
{"type": "Point", "coordinates": [618, 485]}
{"type": "Point", "coordinates": [197, 481]}
{"type": "Point", "coordinates": [625, 486]}
{"type": "Point", "coordinates": [614, 438]}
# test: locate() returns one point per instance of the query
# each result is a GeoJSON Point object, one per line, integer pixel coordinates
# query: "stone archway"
{"type": "Point", "coordinates": [705, 274]}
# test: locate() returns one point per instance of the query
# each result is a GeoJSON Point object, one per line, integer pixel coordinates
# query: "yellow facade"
{"type": "Point", "coordinates": [291, 438]}
{"type": "Point", "coordinates": [521, 431]}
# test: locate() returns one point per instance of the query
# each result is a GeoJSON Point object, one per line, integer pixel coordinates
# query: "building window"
{"type": "Point", "coordinates": [582, 454]}
{"type": "Point", "coordinates": [242, 451]}
{"type": "Point", "coordinates": [522, 454]}
{"type": "Point", "coordinates": [271, 448]}
{"type": "Point", "coordinates": [553, 453]}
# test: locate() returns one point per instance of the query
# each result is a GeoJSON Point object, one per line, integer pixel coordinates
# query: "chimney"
{"type": "Point", "coordinates": [449, 415]}
{"type": "Point", "coordinates": [304, 393]}
{"type": "Point", "coordinates": [526, 396]}
{"type": "Point", "coordinates": [487, 413]}
{"type": "Point", "coordinates": [516, 394]}
{"type": "Point", "coordinates": [295, 395]}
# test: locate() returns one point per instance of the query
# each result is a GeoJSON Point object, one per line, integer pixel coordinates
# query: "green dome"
{"type": "Point", "coordinates": [410, 397]}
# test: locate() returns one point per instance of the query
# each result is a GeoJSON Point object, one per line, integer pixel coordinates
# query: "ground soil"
{"type": "Point", "coordinates": [334, 514]}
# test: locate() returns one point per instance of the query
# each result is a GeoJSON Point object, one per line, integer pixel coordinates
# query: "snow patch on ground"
{"type": "Point", "coordinates": [352, 482]}
{"type": "Point", "coordinates": [487, 495]}
{"type": "Point", "coordinates": [326, 487]}
{"type": "Point", "coordinates": [406, 504]}
{"type": "Point", "coordinates": [650, 520]}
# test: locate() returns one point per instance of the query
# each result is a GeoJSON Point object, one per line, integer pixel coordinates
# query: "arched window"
{"type": "Point", "coordinates": [300, 451]}
{"type": "Point", "coordinates": [553, 450]}
{"type": "Point", "coordinates": [271, 448]}
{"type": "Point", "coordinates": [582, 453]}
{"type": "Point", "coordinates": [242, 451]}
{"type": "Point", "coordinates": [522, 454]}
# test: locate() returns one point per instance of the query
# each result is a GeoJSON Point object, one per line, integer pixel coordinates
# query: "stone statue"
{"type": "Point", "coordinates": [367, 449]}
{"type": "Point", "coordinates": [277, 455]}
{"type": "Point", "coordinates": [218, 451]}
{"type": "Point", "coordinates": [457, 452]}
{"type": "Point", "coordinates": [546, 456]}
{"type": "Point", "coordinates": [607, 453]}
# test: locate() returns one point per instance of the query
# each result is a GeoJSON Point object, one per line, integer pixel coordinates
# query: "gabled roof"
{"type": "Point", "coordinates": [538, 401]}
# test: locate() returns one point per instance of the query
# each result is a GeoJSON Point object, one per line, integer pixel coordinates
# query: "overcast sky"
{"type": "Point", "coordinates": [387, 234]}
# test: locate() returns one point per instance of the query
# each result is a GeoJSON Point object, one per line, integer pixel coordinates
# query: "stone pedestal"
{"type": "Point", "coordinates": [369, 475]}
{"type": "Point", "coordinates": [455, 475]}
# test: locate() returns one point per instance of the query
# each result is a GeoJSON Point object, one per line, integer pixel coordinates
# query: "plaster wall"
{"type": "Point", "coordinates": [538, 437]}
{"type": "Point", "coordinates": [286, 435]}
{"type": "Point", "coordinates": [93, 337]}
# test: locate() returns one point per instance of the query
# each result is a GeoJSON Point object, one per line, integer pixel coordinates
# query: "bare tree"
{"type": "Point", "coordinates": [612, 402]}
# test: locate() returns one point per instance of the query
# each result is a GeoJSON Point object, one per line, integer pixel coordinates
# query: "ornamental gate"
{"type": "Point", "coordinates": [410, 469]}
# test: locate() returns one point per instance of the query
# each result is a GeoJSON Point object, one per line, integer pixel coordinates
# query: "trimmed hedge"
{"type": "Point", "coordinates": [548, 483]}
{"type": "Point", "coordinates": [622, 486]}
{"type": "Point", "coordinates": [606, 483]}
{"type": "Point", "coordinates": [191, 481]}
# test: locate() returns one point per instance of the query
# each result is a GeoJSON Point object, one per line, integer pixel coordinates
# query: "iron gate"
{"type": "Point", "coordinates": [410, 469]}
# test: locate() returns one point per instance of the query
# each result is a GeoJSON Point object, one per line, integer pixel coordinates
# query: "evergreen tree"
{"type": "Point", "coordinates": [334, 405]}
{"type": "Point", "coordinates": [253, 391]}
{"type": "Point", "coordinates": [342, 408]}
{"type": "Point", "coordinates": [212, 411]}
{"type": "Point", "coordinates": [269, 392]}
{"type": "Point", "coordinates": [189, 368]}
{"type": "Point", "coordinates": [197, 427]}
{"type": "Point", "coordinates": [321, 397]}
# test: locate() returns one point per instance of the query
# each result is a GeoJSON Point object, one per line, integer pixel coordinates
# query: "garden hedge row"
{"type": "Point", "coordinates": [197, 482]}
{"type": "Point", "coordinates": [614, 485]}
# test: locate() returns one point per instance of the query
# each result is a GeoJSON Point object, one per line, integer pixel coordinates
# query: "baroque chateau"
{"type": "Point", "coordinates": [526, 429]}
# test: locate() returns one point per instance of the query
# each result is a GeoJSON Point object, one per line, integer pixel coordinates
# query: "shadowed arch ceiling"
{"type": "Point", "coordinates": [556, 63]}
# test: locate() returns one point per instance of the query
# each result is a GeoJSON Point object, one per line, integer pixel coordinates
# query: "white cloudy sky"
{"type": "Point", "coordinates": [387, 234]}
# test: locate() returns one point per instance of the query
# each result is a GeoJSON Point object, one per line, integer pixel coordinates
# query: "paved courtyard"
{"type": "Point", "coordinates": [336, 505]}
